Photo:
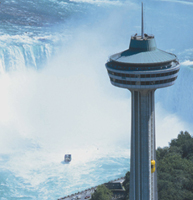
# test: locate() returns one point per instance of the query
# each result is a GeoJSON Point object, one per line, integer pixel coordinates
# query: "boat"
{"type": "Point", "coordinates": [67, 158]}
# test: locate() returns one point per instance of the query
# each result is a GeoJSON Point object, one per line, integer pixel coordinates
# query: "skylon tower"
{"type": "Point", "coordinates": [142, 69]}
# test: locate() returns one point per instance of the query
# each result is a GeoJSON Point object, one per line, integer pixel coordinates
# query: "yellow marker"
{"type": "Point", "coordinates": [152, 166]}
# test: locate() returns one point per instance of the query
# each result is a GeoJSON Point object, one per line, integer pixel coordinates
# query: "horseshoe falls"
{"type": "Point", "coordinates": [55, 96]}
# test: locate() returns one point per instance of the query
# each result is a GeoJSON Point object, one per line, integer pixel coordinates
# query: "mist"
{"type": "Point", "coordinates": [70, 104]}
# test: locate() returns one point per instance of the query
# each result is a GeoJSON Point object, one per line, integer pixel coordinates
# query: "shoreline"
{"type": "Point", "coordinates": [88, 192]}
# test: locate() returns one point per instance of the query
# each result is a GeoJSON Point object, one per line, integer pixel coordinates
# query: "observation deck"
{"type": "Point", "coordinates": [143, 66]}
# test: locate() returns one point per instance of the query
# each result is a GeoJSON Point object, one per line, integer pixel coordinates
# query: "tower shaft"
{"type": "Point", "coordinates": [143, 68]}
{"type": "Point", "coordinates": [143, 183]}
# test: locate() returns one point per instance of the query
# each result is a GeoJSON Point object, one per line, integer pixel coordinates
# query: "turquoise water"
{"type": "Point", "coordinates": [56, 97]}
{"type": "Point", "coordinates": [51, 180]}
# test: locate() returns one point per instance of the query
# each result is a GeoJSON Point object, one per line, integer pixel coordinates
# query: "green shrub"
{"type": "Point", "coordinates": [102, 193]}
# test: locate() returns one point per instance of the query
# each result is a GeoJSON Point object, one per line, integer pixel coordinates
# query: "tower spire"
{"type": "Point", "coordinates": [142, 28]}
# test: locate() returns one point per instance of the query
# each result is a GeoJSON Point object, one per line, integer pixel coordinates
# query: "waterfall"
{"type": "Point", "coordinates": [20, 56]}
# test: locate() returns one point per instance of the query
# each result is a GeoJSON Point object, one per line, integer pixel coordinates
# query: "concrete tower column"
{"type": "Point", "coordinates": [143, 183]}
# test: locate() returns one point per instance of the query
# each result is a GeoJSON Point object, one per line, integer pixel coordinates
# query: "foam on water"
{"type": "Point", "coordinates": [186, 2]}
{"type": "Point", "coordinates": [187, 63]}
{"type": "Point", "coordinates": [40, 175]}
{"type": "Point", "coordinates": [113, 2]}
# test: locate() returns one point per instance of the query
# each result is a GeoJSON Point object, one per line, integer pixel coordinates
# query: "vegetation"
{"type": "Point", "coordinates": [174, 168]}
{"type": "Point", "coordinates": [102, 193]}
{"type": "Point", "coordinates": [126, 185]}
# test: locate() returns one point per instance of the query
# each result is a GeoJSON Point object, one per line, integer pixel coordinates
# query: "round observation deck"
{"type": "Point", "coordinates": [143, 66]}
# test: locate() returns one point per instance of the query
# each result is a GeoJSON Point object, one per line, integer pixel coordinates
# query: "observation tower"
{"type": "Point", "coordinates": [142, 69]}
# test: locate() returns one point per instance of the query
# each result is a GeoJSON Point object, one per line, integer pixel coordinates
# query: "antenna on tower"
{"type": "Point", "coordinates": [142, 28]}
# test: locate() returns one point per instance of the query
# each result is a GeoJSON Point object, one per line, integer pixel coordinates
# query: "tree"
{"type": "Point", "coordinates": [126, 184]}
{"type": "Point", "coordinates": [102, 193]}
{"type": "Point", "coordinates": [174, 169]}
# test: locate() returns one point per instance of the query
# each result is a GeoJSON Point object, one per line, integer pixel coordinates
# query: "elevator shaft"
{"type": "Point", "coordinates": [143, 183]}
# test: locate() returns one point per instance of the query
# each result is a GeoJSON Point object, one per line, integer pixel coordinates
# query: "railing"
{"type": "Point", "coordinates": [125, 67]}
